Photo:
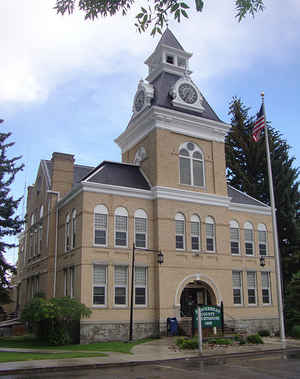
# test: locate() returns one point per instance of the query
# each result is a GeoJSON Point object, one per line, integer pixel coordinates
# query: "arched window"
{"type": "Point", "coordinates": [191, 165]}
{"type": "Point", "coordinates": [210, 233]}
{"type": "Point", "coordinates": [248, 236]}
{"type": "Point", "coordinates": [140, 228]}
{"type": "Point", "coordinates": [67, 234]}
{"type": "Point", "coordinates": [195, 233]}
{"type": "Point", "coordinates": [180, 231]}
{"type": "Point", "coordinates": [41, 211]}
{"type": "Point", "coordinates": [74, 227]}
{"type": "Point", "coordinates": [100, 225]}
{"type": "Point", "coordinates": [234, 238]}
{"type": "Point", "coordinates": [121, 227]}
{"type": "Point", "coordinates": [262, 239]}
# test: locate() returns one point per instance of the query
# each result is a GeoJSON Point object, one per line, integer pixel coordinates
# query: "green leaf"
{"type": "Point", "coordinates": [183, 12]}
{"type": "Point", "coordinates": [199, 5]}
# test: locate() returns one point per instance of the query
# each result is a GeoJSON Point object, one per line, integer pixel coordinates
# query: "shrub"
{"type": "Point", "coordinates": [264, 333]}
{"type": "Point", "coordinates": [55, 320]}
{"type": "Point", "coordinates": [220, 341]}
{"type": "Point", "coordinates": [255, 338]}
{"type": "Point", "coordinates": [185, 343]}
{"type": "Point", "coordinates": [296, 331]}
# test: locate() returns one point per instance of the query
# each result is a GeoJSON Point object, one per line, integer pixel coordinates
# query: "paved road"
{"type": "Point", "coordinates": [274, 366]}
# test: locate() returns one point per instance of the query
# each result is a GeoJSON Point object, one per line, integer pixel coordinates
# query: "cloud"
{"type": "Point", "coordinates": [42, 51]}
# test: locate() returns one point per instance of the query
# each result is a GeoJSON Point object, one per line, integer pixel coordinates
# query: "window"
{"type": "Point", "coordinates": [35, 241]}
{"type": "Point", "coordinates": [248, 235]}
{"type": "Point", "coordinates": [40, 239]}
{"type": "Point", "coordinates": [69, 274]}
{"type": "Point", "coordinates": [99, 284]}
{"type": "Point", "coordinates": [181, 62]}
{"type": "Point", "coordinates": [41, 211]}
{"type": "Point", "coordinates": [251, 280]}
{"type": "Point", "coordinates": [121, 280]}
{"type": "Point", "coordinates": [262, 239]}
{"type": "Point", "coordinates": [210, 234]}
{"type": "Point", "coordinates": [121, 227]}
{"type": "Point", "coordinates": [74, 227]}
{"type": "Point", "coordinates": [100, 225]}
{"type": "Point", "coordinates": [140, 226]}
{"type": "Point", "coordinates": [195, 233]}
{"type": "Point", "coordinates": [67, 234]}
{"type": "Point", "coordinates": [234, 238]}
{"type": "Point", "coordinates": [170, 59]}
{"type": "Point", "coordinates": [31, 244]}
{"type": "Point", "coordinates": [180, 231]}
{"type": "Point", "coordinates": [266, 288]}
{"type": "Point", "coordinates": [191, 165]}
{"type": "Point", "coordinates": [237, 287]}
{"type": "Point", "coordinates": [140, 285]}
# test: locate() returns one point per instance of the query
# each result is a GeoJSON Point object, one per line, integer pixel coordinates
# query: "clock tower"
{"type": "Point", "coordinates": [169, 113]}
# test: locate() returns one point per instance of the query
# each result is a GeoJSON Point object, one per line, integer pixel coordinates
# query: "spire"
{"type": "Point", "coordinates": [168, 39]}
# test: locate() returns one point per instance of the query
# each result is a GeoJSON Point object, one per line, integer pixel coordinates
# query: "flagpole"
{"type": "Point", "coordinates": [275, 234]}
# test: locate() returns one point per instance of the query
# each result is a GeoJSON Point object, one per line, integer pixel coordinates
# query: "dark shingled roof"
{"type": "Point", "coordinates": [169, 39]}
{"type": "Point", "coordinates": [162, 85]}
{"type": "Point", "coordinates": [79, 171]}
{"type": "Point", "coordinates": [242, 198]}
{"type": "Point", "coordinates": [118, 174]}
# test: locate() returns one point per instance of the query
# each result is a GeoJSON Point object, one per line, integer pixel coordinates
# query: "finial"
{"type": "Point", "coordinates": [262, 96]}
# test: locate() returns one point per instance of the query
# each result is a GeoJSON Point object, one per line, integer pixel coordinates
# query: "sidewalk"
{"type": "Point", "coordinates": [157, 350]}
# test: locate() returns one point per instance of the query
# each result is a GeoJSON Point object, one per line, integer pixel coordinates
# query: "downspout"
{"type": "Point", "coordinates": [56, 239]}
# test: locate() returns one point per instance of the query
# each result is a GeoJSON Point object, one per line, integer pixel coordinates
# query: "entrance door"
{"type": "Point", "coordinates": [190, 297]}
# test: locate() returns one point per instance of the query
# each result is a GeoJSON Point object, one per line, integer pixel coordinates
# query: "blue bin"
{"type": "Point", "coordinates": [172, 326]}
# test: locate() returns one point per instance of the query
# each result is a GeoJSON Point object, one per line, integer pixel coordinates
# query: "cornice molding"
{"type": "Point", "coordinates": [237, 207]}
{"type": "Point", "coordinates": [169, 119]}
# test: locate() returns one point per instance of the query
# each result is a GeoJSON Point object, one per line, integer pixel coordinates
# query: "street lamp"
{"type": "Point", "coordinates": [160, 260]}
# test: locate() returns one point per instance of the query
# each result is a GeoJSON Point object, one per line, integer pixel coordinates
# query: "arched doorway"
{"type": "Point", "coordinates": [195, 292]}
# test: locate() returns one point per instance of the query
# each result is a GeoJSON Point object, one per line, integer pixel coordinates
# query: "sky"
{"type": "Point", "coordinates": [67, 84]}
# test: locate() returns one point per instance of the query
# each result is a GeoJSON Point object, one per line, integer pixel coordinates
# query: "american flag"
{"type": "Point", "coordinates": [259, 124]}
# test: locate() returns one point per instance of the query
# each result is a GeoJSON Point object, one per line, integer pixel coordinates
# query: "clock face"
{"type": "Point", "coordinates": [187, 93]}
{"type": "Point", "coordinates": [139, 100]}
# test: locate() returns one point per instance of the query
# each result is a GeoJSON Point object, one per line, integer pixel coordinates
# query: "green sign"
{"type": "Point", "coordinates": [210, 316]}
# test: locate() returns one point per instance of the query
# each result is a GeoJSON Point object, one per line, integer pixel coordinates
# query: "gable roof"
{"type": "Point", "coordinates": [242, 198]}
{"type": "Point", "coordinates": [118, 174]}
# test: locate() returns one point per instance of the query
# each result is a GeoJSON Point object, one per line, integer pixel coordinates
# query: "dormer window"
{"type": "Point", "coordinates": [170, 59]}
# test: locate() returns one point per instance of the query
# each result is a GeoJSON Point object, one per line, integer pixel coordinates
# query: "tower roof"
{"type": "Point", "coordinates": [170, 40]}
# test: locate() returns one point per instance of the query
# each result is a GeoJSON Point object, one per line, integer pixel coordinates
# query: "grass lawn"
{"type": "Point", "coordinates": [30, 342]}
{"type": "Point", "coordinates": [14, 357]}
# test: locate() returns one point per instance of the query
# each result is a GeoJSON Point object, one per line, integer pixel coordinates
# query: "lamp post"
{"type": "Point", "coordinates": [160, 260]}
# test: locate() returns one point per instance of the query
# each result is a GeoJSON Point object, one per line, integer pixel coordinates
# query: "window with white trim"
{"type": "Point", "coordinates": [121, 227]}
{"type": "Point", "coordinates": [237, 288]}
{"type": "Point", "coordinates": [140, 228]}
{"type": "Point", "coordinates": [266, 287]}
{"type": "Point", "coordinates": [67, 234]}
{"type": "Point", "coordinates": [251, 282]}
{"type": "Point", "coordinates": [210, 234]}
{"type": "Point", "coordinates": [99, 284]}
{"type": "Point", "coordinates": [100, 225]}
{"type": "Point", "coordinates": [234, 238]}
{"type": "Point", "coordinates": [249, 238]}
{"type": "Point", "coordinates": [121, 285]}
{"type": "Point", "coordinates": [40, 238]}
{"type": "Point", "coordinates": [69, 274]}
{"type": "Point", "coordinates": [195, 233]}
{"type": "Point", "coordinates": [262, 239]}
{"type": "Point", "coordinates": [140, 285]}
{"type": "Point", "coordinates": [74, 228]}
{"type": "Point", "coordinates": [180, 231]}
{"type": "Point", "coordinates": [191, 165]}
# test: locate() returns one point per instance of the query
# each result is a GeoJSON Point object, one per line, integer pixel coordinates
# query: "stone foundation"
{"type": "Point", "coordinates": [104, 331]}
{"type": "Point", "coordinates": [254, 325]}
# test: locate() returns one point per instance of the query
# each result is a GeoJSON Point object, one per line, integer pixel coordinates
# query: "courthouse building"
{"type": "Point", "coordinates": [168, 194]}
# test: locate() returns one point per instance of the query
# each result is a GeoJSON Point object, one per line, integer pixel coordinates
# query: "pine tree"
{"type": "Point", "coordinates": [10, 224]}
{"type": "Point", "coordinates": [247, 171]}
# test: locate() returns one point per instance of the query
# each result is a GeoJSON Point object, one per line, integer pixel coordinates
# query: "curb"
{"type": "Point", "coordinates": [148, 362]}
